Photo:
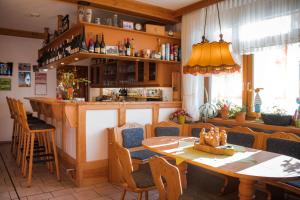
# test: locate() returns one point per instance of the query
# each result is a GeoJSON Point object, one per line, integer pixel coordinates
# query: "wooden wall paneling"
{"type": "Point", "coordinates": [95, 172]}
{"type": "Point", "coordinates": [70, 110]}
{"type": "Point", "coordinates": [176, 86]}
{"type": "Point", "coordinates": [80, 145]}
{"type": "Point", "coordinates": [121, 115]}
{"type": "Point", "coordinates": [195, 6]}
{"type": "Point", "coordinates": [21, 33]}
{"type": "Point", "coordinates": [134, 8]}
{"type": "Point", "coordinates": [155, 114]}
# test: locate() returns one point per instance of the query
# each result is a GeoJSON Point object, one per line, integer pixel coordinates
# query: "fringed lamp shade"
{"type": "Point", "coordinates": [211, 58]}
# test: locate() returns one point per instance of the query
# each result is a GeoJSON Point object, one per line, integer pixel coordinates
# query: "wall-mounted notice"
{"type": "Point", "coordinates": [40, 83]}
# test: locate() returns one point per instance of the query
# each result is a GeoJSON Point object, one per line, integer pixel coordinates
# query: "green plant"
{"type": "Point", "coordinates": [207, 110]}
{"type": "Point", "coordinates": [278, 111]}
{"type": "Point", "coordinates": [234, 109]}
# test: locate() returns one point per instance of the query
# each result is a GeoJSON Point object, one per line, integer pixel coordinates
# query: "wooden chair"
{"type": "Point", "coordinates": [195, 129]}
{"type": "Point", "coordinates": [286, 144]}
{"type": "Point", "coordinates": [123, 136]}
{"type": "Point", "coordinates": [139, 181]}
{"type": "Point", "coordinates": [164, 128]}
{"type": "Point", "coordinates": [44, 133]}
{"type": "Point", "coordinates": [15, 131]}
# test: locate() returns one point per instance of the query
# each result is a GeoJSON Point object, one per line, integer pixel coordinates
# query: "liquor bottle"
{"type": "Point", "coordinates": [167, 51]}
{"type": "Point", "coordinates": [128, 48]}
{"type": "Point", "coordinates": [97, 45]}
{"type": "Point", "coordinates": [132, 50]}
{"type": "Point", "coordinates": [163, 52]}
{"type": "Point", "coordinates": [171, 52]}
{"type": "Point", "coordinates": [102, 45]}
{"type": "Point", "coordinates": [91, 45]}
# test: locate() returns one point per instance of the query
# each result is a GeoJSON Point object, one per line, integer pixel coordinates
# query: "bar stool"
{"type": "Point", "coordinates": [15, 126]}
{"type": "Point", "coordinates": [45, 134]}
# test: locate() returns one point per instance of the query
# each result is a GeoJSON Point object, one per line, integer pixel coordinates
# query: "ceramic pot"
{"type": "Point", "coordinates": [88, 15]}
{"type": "Point", "coordinates": [224, 113]}
{"type": "Point", "coordinates": [181, 119]}
{"type": "Point", "coordinates": [240, 117]}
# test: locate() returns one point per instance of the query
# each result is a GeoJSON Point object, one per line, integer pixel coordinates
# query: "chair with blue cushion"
{"type": "Point", "coordinates": [286, 144]}
{"type": "Point", "coordinates": [242, 136]}
{"type": "Point", "coordinates": [195, 129]}
{"type": "Point", "coordinates": [164, 128]}
{"type": "Point", "coordinates": [129, 136]}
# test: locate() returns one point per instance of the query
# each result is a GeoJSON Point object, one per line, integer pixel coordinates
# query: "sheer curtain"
{"type": "Point", "coordinates": [250, 25]}
{"type": "Point", "coordinates": [193, 86]}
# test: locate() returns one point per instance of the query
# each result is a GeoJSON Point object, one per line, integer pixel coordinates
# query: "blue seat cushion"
{"type": "Point", "coordinates": [40, 126]}
{"type": "Point", "coordinates": [143, 176]}
{"type": "Point", "coordinates": [142, 154]}
{"type": "Point", "coordinates": [295, 183]}
{"type": "Point", "coordinates": [166, 131]}
{"type": "Point", "coordinates": [196, 131]}
{"type": "Point", "coordinates": [241, 139]}
{"type": "Point", "coordinates": [261, 130]}
{"type": "Point", "coordinates": [132, 137]}
{"type": "Point", "coordinates": [285, 147]}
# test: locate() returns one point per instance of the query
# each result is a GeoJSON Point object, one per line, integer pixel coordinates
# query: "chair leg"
{"type": "Point", "coordinates": [29, 180]}
{"type": "Point", "coordinates": [123, 194]}
{"type": "Point", "coordinates": [140, 196]}
{"type": "Point", "coordinates": [55, 155]}
{"type": "Point", "coordinates": [19, 153]}
{"type": "Point", "coordinates": [25, 153]}
{"type": "Point", "coordinates": [146, 195]}
{"type": "Point", "coordinates": [13, 138]}
{"type": "Point", "coordinates": [48, 143]}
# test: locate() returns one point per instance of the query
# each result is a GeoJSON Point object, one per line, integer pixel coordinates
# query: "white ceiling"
{"type": "Point", "coordinates": [15, 14]}
{"type": "Point", "coordinates": [169, 4]}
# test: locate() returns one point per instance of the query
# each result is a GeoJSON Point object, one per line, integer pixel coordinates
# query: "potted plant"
{"type": "Point", "coordinates": [224, 107]}
{"type": "Point", "coordinates": [180, 115]}
{"type": "Point", "coordinates": [240, 115]}
{"type": "Point", "coordinates": [207, 110]}
{"type": "Point", "coordinates": [277, 117]}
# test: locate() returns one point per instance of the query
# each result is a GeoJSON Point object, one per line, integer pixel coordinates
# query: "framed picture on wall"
{"type": "Point", "coordinates": [128, 25]}
{"type": "Point", "coordinates": [24, 67]}
{"type": "Point", "coordinates": [24, 79]}
{"type": "Point", "coordinates": [5, 84]}
{"type": "Point", "coordinates": [112, 50]}
{"type": "Point", "coordinates": [6, 69]}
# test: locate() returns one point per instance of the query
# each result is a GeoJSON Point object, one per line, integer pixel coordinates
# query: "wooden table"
{"type": "Point", "coordinates": [249, 165]}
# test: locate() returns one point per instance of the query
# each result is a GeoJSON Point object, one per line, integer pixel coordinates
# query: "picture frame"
{"type": "Point", "coordinates": [24, 79]}
{"type": "Point", "coordinates": [24, 67]}
{"type": "Point", "coordinates": [128, 25]}
{"type": "Point", "coordinates": [6, 69]}
{"type": "Point", "coordinates": [5, 84]}
{"type": "Point", "coordinates": [112, 50]}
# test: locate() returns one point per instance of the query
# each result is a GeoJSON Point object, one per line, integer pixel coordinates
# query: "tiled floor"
{"type": "Point", "coordinates": [45, 185]}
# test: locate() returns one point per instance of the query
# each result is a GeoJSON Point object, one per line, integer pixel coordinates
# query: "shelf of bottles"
{"type": "Point", "coordinates": [81, 47]}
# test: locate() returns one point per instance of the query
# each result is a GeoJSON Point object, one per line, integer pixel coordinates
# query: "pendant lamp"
{"type": "Point", "coordinates": [211, 57]}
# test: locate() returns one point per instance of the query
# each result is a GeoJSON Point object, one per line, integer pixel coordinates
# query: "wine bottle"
{"type": "Point", "coordinates": [132, 47]}
{"type": "Point", "coordinates": [171, 52]}
{"type": "Point", "coordinates": [91, 45]}
{"type": "Point", "coordinates": [102, 45]}
{"type": "Point", "coordinates": [128, 49]}
{"type": "Point", "coordinates": [97, 45]}
{"type": "Point", "coordinates": [83, 46]}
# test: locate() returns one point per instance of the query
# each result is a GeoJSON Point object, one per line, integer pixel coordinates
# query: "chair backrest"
{"type": "Point", "coordinates": [10, 107]}
{"type": "Point", "coordinates": [162, 171]}
{"type": "Point", "coordinates": [129, 135]}
{"type": "Point", "coordinates": [164, 128]}
{"type": "Point", "coordinates": [195, 129]}
{"type": "Point", "coordinates": [21, 114]}
{"type": "Point", "coordinates": [242, 136]}
{"type": "Point", "coordinates": [283, 143]}
{"type": "Point", "coordinates": [125, 165]}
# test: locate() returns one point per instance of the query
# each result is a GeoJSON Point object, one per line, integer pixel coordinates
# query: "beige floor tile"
{"type": "Point", "coordinates": [62, 192]}
{"type": "Point", "coordinates": [4, 195]}
{"type": "Point", "coordinates": [86, 195]}
{"type": "Point", "coordinates": [64, 197]}
{"type": "Point", "coordinates": [33, 190]}
{"type": "Point", "coordinates": [107, 190]}
{"type": "Point", "coordinates": [40, 196]}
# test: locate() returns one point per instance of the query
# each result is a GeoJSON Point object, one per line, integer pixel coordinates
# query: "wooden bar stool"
{"type": "Point", "coordinates": [44, 133]}
{"type": "Point", "coordinates": [15, 126]}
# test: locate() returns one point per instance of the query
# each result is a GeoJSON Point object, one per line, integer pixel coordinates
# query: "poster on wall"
{"type": "Point", "coordinates": [5, 84]}
{"type": "Point", "coordinates": [24, 79]}
{"type": "Point", "coordinates": [24, 67]}
{"type": "Point", "coordinates": [40, 83]}
{"type": "Point", "coordinates": [6, 69]}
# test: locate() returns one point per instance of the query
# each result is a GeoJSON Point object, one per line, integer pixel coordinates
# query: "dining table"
{"type": "Point", "coordinates": [247, 164]}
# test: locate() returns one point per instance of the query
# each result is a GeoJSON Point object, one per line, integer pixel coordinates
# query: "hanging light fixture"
{"type": "Point", "coordinates": [211, 57]}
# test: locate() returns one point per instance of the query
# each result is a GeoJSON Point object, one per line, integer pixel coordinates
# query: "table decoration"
{"type": "Point", "coordinates": [215, 142]}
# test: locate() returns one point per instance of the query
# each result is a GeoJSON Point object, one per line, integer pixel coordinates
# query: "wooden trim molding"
{"type": "Point", "coordinates": [133, 8]}
{"type": "Point", "coordinates": [21, 33]}
{"type": "Point", "coordinates": [195, 6]}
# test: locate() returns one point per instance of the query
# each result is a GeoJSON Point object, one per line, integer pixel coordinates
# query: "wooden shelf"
{"type": "Point", "coordinates": [130, 31]}
{"type": "Point", "coordinates": [84, 55]}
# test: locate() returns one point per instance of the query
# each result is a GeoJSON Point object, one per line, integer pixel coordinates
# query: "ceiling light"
{"type": "Point", "coordinates": [76, 58]}
{"type": "Point", "coordinates": [45, 70]}
{"type": "Point", "coordinates": [62, 63]}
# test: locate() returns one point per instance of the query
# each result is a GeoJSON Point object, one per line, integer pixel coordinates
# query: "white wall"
{"type": "Point", "coordinates": [16, 50]}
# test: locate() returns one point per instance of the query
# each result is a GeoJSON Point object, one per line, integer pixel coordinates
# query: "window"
{"type": "Point", "coordinates": [276, 70]}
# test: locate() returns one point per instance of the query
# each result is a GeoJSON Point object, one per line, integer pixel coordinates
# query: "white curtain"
{"type": "Point", "coordinates": [193, 86]}
{"type": "Point", "coordinates": [250, 25]}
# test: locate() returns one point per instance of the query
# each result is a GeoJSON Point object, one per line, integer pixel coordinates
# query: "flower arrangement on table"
{"type": "Point", "coordinates": [180, 115]}
{"type": "Point", "coordinates": [67, 83]}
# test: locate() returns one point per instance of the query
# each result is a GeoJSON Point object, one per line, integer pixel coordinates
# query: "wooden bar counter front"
{"type": "Point", "coordinates": [82, 135]}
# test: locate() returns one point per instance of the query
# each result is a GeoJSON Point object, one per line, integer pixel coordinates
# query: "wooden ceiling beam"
{"type": "Point", "coordinates": [195, 6]}
{"type": "Point", "coordinates": [21, 33]}
{"type": "Point", "coordinates": [135, 8]}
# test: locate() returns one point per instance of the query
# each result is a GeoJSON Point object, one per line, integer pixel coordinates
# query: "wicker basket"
{"type": "Point", "coordinates": [275, 119]}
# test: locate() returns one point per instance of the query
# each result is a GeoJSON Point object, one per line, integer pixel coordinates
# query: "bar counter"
{"type": "Point", "coordinates": [81, 130]}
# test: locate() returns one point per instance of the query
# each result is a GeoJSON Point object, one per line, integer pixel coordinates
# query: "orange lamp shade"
{"type": "Point", "coordinates": [211, 58]}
